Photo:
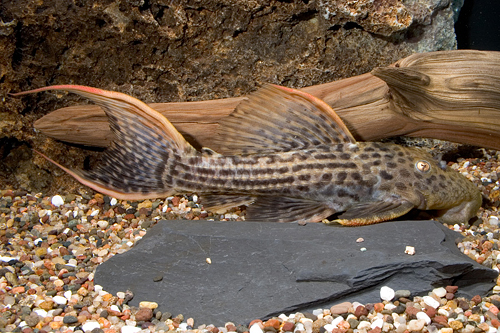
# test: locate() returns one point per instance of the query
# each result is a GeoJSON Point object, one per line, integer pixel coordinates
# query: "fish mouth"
{"type": "Point", "coordinates": [423, 201]}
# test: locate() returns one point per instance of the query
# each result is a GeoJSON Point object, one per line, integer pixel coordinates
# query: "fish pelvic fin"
{"type": "Point", "coordinates": [134, 166]}
{"type": "Point", "coordinates": [276, 118]}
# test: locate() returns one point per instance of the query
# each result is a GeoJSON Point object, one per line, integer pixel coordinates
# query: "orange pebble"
{"type": "Point", "coordinates": [17, 290]}
{"type": "Point", "coordinates": [106, 297]}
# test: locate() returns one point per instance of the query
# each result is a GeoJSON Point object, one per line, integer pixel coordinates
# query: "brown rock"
{"type": "Point", "coordinates": [431, 312]}
{"type": "Point", "coordinates": [341, 308]}
{"type": "Point", "coordinates": [144, 314]}
{"type": "Point", "coordinates": [449, 296]}
{"type": "Point", "coordinates": [46, 305]}
{"type": "Point", "coordinates": [442, 320]}
{"type": "Point", "coordinates": [360, 311]}
{"type": "Point", "coordinates": [375, 330]}
{"type": "Point", "coordinates": [412, 311]}
{"type": "Point", "coordinates": [378, 307]}
{"type": "Point", "coordinates": [451, 289]}
{"type": "Point", "coordinates": [476, 299]}
{"type": "Point", "coordinates": [231, 328]}
{"type": "Point", "coordinates": [288, 326]}
{"type": "Point", "coordinates": [273, 322]}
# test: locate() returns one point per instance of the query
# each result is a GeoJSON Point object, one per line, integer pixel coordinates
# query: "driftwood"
{"type": "Point", "coordinates": [449, 95]}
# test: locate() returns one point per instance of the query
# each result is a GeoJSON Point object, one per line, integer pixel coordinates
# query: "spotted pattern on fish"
{"type": "Point", "coordinates": [288, 157]}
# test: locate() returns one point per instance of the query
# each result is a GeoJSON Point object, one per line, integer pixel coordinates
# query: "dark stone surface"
{"type": "Point", "coordinates": [259, 270]}
{"type": "Point", "coordinates": [161, 51]}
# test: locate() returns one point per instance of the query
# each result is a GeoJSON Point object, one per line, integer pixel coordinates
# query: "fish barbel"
{"type": "Point", "coordinates": [291, 159]}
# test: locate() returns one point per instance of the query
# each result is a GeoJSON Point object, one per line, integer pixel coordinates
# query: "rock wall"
{"type": "Point", "coordinates": [159, 51]}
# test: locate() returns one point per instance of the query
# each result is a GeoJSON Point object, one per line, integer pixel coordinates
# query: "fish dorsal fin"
{"type": "Point", "coordinates": [276, 118]}
{"type": "Point", "coordinates": [123, 111]}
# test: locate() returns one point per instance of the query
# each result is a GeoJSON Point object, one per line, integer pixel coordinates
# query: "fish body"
{"type": "Point", "coordinates": [289, 158]}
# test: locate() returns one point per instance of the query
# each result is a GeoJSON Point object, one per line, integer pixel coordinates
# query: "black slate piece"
{"type": "Point", "coordinates": [259, 270]}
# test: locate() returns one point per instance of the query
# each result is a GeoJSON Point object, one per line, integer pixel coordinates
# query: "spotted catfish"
{"type": "Point", "coordinates": [290, 159]}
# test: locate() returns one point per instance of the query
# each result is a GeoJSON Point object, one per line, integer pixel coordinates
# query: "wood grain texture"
{"type": "Point", "coordinates": [449, 95]}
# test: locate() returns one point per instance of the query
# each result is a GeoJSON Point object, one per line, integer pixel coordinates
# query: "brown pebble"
{"type": "Point", "coordinates": [431, 312]}
{"type": "Point", "coordinates": [144, 314]}
{"type": "Point", "coordinates": [411, 311]}
{"type": "Point", "coordinates": [175, 201]}
{"type": "Point", "coordinates": [378, 307]}
{"type": "Point", "coordinates": [476, 299]}
{"type": "Point", "coordinates": [273, 322]}
{"type": "Point", "coordinates": [451, 289]}
{"type": "Point", "coordinates": [495, 323]}
{"type": "Point", "coordinates": [375, 330]}
{"type": "Point", "coordinates": [361, 311]}
{"type": "Point", "coordinates": [255, 321]}
{"type": "Point", "coordinates": [231, 328]}
{"type": "Point", "coordinates": [442, 320]}
{"type": "Point", "coordinates": [449, 296]}
{"type": "Point", "coordinates": [341, 308]}
{"type": "Point", "coordinates": [288, 326]}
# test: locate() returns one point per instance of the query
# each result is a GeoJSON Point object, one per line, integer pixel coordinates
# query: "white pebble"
{"type": "Point", "coordinates": [390, 306]}
{"type": "Point", "coordinates": [67, 294]}
{"type": "Point", "coordinates": [113, 201]}
{"type": "Point", "coordinates": [423, 316]}
{"type": "Point", "coordinates": [416, 325]}
{"type": "Point", "coordinates": [256, 328]}
{"type": "Point", "coordinates": [115, 307]}
{"type": "Point", "coordinates": [57, 200]}
{"type": "Point", "coordinates": [103, 224]}
{"type": "Point", "coordinates": [120, 294]}
{"type": "Point", "coordinates": [59, 300]}
{"type": "Point", "coordinates": [318, 312]}
{"type": "Point", "coordinates": [183, 326]}
{"type": "Point", "coordinates": [337, 321]}
{"type": "Point", "coordinates": [329, 327]}
{"type": "Point", "coordinates": [195, 198]}
{"type": "Point", "coordinates": [493, 220]}
{"type": "Point", "coordinates": [431, 302]}
{"type": "Point", "coordinates": [308, 324]}
{"type": "Point", "coordinates": [386, 294]}
{"type": "Point", "coordinates": [443, 312]}
{"type": "Point", "coordinates": [379, 322]}
{"type": "Point", "coordinates": [130, 329]}
{"type": "Point", "coordinates": [298, 327]}
{"type": "Point", "coordinates": [364, 325]}
{"type": "Point", "coordinates": [439, 292]}
{"type": "Point", "coordinates": [41, 312]}
{"type": "Point", "coordinates": [90, 325]}
{"type": "Point", "coordinates": [410, 250]}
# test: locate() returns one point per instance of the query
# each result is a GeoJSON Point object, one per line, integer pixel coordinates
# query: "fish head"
{"type": "Point", "coordinates": [442, 189]}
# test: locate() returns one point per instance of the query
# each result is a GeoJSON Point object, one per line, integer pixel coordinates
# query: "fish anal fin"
{"type": "Point", "coordinates": [276, 118]}
{"type": "Point", "coordinates": [285, 209]}
{"type": "Point", "coordinates": [106, 188]}
{"type": "Point", "coordinates": [220, 203]}
{"type": "Point", "coordinates": [373, 212]}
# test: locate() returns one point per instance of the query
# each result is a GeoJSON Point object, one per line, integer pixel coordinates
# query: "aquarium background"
{"type": "Point", "coordinates": [478, 25]}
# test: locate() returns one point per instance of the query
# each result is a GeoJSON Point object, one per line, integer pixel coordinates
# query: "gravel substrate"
{"type": "Point", "coordinates": [50, 247]}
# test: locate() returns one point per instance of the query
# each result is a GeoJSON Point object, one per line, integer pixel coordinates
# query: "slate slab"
{"type": "Point", "coordinates": [259, 270]}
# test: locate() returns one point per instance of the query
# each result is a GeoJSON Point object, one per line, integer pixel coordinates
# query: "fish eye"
{"type": "Point", "coordinates": [423, 166]}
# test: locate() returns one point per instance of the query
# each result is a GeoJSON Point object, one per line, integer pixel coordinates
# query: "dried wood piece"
{"type": "Point", "coordinates": [450, 95]}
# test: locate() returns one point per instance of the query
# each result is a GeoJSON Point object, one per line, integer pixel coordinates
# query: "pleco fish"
{"type": "Point", "coordinates": [292, 160]}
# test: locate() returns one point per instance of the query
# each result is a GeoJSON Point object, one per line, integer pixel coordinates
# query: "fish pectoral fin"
{"type": "Point", "coordinates": [285, 209]}
{"type": "Point", "coordinates": [276, 118]}
{"type": "Point", "coordinates": [219, 203]}
{"type": "Point", "coordinates": [374, 212]}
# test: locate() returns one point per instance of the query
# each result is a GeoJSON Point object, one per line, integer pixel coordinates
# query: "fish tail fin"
{"type": "Point", "coordinates": [134, 167]}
